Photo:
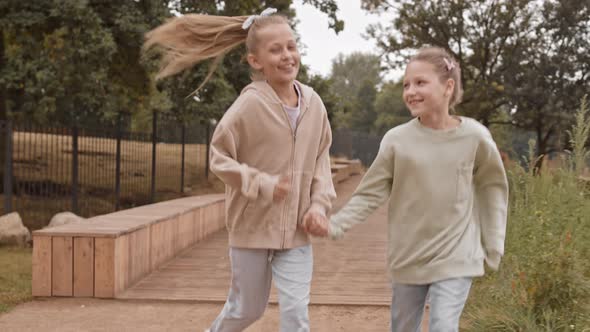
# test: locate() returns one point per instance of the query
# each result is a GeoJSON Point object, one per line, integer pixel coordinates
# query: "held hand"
{"type": "Point", "coordinates": [282, 188]}
{"type": "Point", "coordinates": [316, 224]}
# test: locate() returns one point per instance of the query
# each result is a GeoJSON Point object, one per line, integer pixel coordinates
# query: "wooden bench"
{"type": "Point", "coordinates": [104, 255]}
{"type": "Point", "coordinates": [342, 169]}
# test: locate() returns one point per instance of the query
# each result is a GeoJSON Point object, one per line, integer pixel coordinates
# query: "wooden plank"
{"type": "Point", "coordinates": [205, 215]}
{"type": "Point", "coordinates": [156, 240]}
{"type": "Point", "coordinates": [162, 242]}
{"type": "Point", "coordinates": [139, 255]}
{"type": "Point", "coordinates": [41, 283]}
{"type": "Point", "coordinates": [174, 244]}
{"type": "Point", "coordinates": [126, 221]}
{"type": "Point", "coordinates": [186, 230]}
{"type": "Point", "coordinates": [84, 267]}
{"type": "Point", "coordinates": [352, 271]}
{"type": "Point", "coordinates": [62, 271]}
{"type": "Point", "coordinates": [199, 227]}
{"type": "Point", "coordinates": [104, 267]}
{"type": "Point", "coordinates": [209, 218]}
{"type": "Point", "coordinates": [122, 264]}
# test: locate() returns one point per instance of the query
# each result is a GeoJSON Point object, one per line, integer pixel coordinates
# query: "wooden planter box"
{"type": "Point", "coordinates": [104, 255]}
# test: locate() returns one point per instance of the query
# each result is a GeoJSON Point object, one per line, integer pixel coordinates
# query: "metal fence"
{"type": "Point", "coordinates": [355, 145]}
{"type": "Point", "coordinates": [98, 169]}
{"type": "Point", "coordinates": [93, 170]}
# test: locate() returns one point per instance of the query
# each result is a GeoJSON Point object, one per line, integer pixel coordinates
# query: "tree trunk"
{"type": "Point", "coordinates": [2, 112]}
{"type": "Point", "coordinates": [541, 150]}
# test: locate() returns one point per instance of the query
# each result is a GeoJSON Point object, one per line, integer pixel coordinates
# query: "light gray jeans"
{"type": "Point", "coordinates": [446, 297]}
{"type": "Point", "coordinates": [252, 273]}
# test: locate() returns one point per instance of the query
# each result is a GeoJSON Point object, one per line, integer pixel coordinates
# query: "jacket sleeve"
{"type": "Point", "coordinates": [322, 186]}
{"type": "Point", "coordinates": [491, 190]}
{"type": "Point", "coordinates": [251, 182]}
{"type": "Point", "coordinates": [374, 190]}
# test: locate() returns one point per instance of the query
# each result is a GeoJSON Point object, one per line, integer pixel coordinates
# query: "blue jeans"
{"type": "Point", "coordinates": [447, 299]}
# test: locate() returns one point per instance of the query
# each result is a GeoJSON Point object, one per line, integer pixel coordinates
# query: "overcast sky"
{"type": "Point", "coordinates": [323, 44]}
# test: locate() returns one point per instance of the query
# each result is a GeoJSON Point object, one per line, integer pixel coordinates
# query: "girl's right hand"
{"type": "Point", "coordinates": [282, 188]}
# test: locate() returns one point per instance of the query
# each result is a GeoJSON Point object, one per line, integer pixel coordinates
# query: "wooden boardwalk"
{"type": "Point", "coordinates": [350, 271]}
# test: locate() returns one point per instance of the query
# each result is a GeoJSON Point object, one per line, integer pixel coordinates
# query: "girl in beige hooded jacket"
{"type": "Point", "coordinates": [271, 149]}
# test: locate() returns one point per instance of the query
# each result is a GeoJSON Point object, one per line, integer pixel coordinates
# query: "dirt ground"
{"type": "Point", "coordinates": [74, 314]}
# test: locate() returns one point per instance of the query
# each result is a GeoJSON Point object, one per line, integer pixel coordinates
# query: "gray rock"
{"type": "Point", "coordinates": [64, 218]}
{"type": "Point", "coordinates": [12, 230]}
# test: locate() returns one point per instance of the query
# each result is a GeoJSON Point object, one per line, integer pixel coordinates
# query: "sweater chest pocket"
{"type": "Point", "coordinates": [464, 182]}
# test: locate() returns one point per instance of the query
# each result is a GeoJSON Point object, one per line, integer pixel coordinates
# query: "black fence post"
{"type": "Point", "coordinates": [8, 168]}
{"type": "Point", "coordinates": [207, 143]}
{"type": "Point", "coordinates": [118, 166]}
{"type": "Point", "coordinates": [154, 142]}
{"type": "Point", "coordinates": [183, 139]}
{"type": "Point", "coordinates": [75, 208]}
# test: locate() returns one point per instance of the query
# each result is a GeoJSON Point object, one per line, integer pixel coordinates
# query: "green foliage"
{"type": "Point", "coordinates": [579, 135]}
{"type": "Point", "coordinates": [355, 79]}
{"type": "Point", "coordinates": [67, 59]}
{"type": "Point", "coordinates": [82, 59]}
{"type": "Point", "coordinates": [503, 133]}
{"type": "Point", "coordinates": [323, 87]}
{"type": "Point", "coordinates": [330, 7]}
{"type": "Point", "coordinates": [529, 57]}
{"type": "Point", "coordinates": [544, 280]}
{"type": "Point", "coordinates": [390, 108]}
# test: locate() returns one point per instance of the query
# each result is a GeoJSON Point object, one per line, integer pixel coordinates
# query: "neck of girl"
{"type": "Point", "coordinates": [442, 120]}
{"type": "Point", "coordinates": [286, 92]}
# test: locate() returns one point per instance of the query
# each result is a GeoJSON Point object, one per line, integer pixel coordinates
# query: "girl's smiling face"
{"type": "Point", "coordinates": [423, 90]}
{"type": "Point", "coordinates": [276, 55]}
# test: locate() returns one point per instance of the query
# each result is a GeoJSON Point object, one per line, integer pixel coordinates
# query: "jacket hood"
{"type": "Point", "coordinates": [266, 92]}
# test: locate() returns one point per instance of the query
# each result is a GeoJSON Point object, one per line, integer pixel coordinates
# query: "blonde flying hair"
{"type": "Point", "coordinates": [446, 67]}
{"type": "Point", "coordinates": [186, 40]}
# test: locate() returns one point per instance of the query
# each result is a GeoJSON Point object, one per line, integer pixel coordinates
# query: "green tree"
{"type": "Point", "coordinates": [323, 87]}
{"type": "Point", "coordinates": [551, 74]}
{"type": "Point", "coordinates": [530, 57]}
{"type": "Point", "coordinates": [66, 58]}
{"type": "Point", "coordinates": [233, 73]}
{"type": "Point", "coordinates": [364, 115]}
{"type": "Point", "coordinates": [83, 58]}
{"type": "Point", "coordinates": [355, 80]}
{"type": "Point", "coordinates": [390, 108]}
{"type": "Point", "coordinates": [478, 33]}
{"type": "Point", "coordinates": [2, 110]}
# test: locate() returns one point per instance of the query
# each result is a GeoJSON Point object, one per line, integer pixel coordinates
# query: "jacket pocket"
{"type": "Point", "coordinates": [234, 221]}
{"type": "Point", "coordinates": [464, 182]}
{"type": "Point", "coordinates": [258, 215]}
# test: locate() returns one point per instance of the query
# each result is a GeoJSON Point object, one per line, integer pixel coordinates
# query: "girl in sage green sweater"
{"type": "Point", "coordinates": [447, 194]}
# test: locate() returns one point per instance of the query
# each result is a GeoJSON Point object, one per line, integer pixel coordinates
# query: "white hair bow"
{"type": "Point", "coordinates": [248, 22]}
{"type": "Point", "coordinates": [450, 64]}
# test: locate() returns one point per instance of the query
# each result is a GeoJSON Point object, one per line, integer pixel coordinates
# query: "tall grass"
{"type": "Point", "coordinates": [544, 280]}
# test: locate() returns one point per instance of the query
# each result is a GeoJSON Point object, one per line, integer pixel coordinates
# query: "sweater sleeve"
{"type": "Point", "coordinates": [322, 187]}
{"type": "Point", "coordinates": [374, 190]}
{"type": "Point", "coordinates": [491, 190]}
{"type": "Point", "coordinates": [251, 182]}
